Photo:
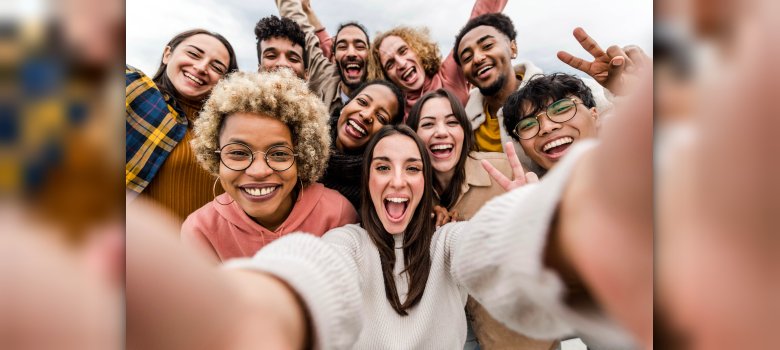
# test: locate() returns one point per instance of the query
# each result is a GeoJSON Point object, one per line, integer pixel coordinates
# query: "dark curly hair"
{"type": "Point", "coordinates": [500, 21]}
{"type": "Point", "coordinates": [275, 27]}
{"type": "Point", "coordinates": [539, 92]}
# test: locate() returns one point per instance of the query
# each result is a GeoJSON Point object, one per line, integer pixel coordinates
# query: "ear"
{"type": "Point", "coordinates": [167, 55]}
{"type": "Point", "coordinates": [594, 113]}
{"type": "Point", "coordinates": [513, 48]}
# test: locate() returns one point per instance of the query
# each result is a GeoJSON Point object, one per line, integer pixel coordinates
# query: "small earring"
{"type": "Point", "coordinates": [214, 192]}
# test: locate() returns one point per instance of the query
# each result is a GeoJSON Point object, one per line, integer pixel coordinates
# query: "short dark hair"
{"type": "Point", "coordinates": [539, 92]}
{"type": "Point", "coordinates": [417, 236]}
{"type": "Point", "coordinates": [399, 97]}
{"type": "Point", "coordinates": [450, 194]}
{"type": "Point", "coordinates": [275, 27]}
{"type": "Point", "coordinates": [500, 21]}
{"type": "Point", "coordinates": [349, 24]}
{"type": "Point", "coordinates": [163, 81]}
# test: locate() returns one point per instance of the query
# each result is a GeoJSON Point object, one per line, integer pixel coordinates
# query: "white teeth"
{"type": "Point", "coordinates": [260, 191]}
{"type": "Point", "coordinates": [556, 143]}
{"type": "Point", "coordinates": [438, 147]}
{"type": "Point", "coordinates": [408, 73]}
{"type": "Point", "coordinates": [193, 78]}
{"type": "Point", "coordinates": [398, 200]}
{"type": "Point", "coordinates": [483, 69]}
{"type": "Point", "coordinates": [349, 66]}
{"type": "Point", "coordinates": [357, 127]}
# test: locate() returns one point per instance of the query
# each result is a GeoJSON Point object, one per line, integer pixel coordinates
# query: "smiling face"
{"type": "Point", "coordinates": [442, 134]}
{"type": "Point", "coordinates": [485, 55]}
{"type": "Point", "coordinates": [396, 181]}
{"type": "Point", "coordinates": [278, 52]}
{"type": "Point", "coordinates": [264, 194]}
{"type": "Point", "coordinates": [401, 64]}
{"type": "Point", "coordinates": [350, 55]}
{"type": "Point", "coordinates": [554, 139]}
{"type": "Point", "coordinates": [364, 115]}
{"type": "Point", "coordinates": [195, 65]}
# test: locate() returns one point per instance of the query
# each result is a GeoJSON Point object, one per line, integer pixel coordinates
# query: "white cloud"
{"type": "Point", "coordinates": [544, 27]}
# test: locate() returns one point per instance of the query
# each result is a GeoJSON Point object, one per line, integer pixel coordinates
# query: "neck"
{"type": "Point", "coordinates": [345, 89]}
{"type": "Point", "coordinates": [443, 179]}
{"type": "Point", "coordinates": [496, 101]}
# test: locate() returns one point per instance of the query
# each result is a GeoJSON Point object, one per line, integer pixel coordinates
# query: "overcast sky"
{"type": "Point", "coordinates": [543, 27]}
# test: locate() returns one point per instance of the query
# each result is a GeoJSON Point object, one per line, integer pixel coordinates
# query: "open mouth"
{"type": "Point", "coordinates": [557, 147]}
{"type": "Point", "coordinates": [441, 150]}
{"type": "Point", "coordinates": [353, 70]}
{"type": "Point", "coordinates": [395, 207]}
{"type": "Point", "coordinates": [194, 79]}
{"type": "Point", "coordinates": [260, 192]}
{"type": "Point", "coordinates": [483, 72]}
{"type": "Point", "coordinates": [410, 75]}
{"type": "Point", "coordinates": [355, 129]}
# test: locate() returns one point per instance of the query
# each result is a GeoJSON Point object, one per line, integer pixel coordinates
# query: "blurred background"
{"type": "Point", "coordinates": [716, 170]}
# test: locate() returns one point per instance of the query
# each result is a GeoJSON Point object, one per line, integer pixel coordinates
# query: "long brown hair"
{"type": "Point", "coordinates": [164, 82]}
{"type": "Point", "coordinates": [417, 236]}
{"type": "Point", "coordinates": [448, 196]}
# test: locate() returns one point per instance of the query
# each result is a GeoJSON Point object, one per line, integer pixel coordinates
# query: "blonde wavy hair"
{"type": "Point", "coordinates": [418, 40]}
{"type": "Point", "coordinates": [279, 94]}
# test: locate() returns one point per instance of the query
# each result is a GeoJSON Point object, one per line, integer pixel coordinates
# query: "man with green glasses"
{"type": "Point", "coordinates": [549, 114]}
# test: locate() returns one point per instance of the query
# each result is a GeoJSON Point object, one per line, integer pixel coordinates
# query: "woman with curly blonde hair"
{"type": "Point", "coordinates": [410, 59]}
{"type": "Point", "coordinates": [265, 137]}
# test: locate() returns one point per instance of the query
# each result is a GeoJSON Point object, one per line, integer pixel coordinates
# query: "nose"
{"type": "Point", "coordinates": [366, 115]}
{"type": "Point", "coordinates": [439, 130]}
{"type": "Point", "coordinates": [397, 179]}
{"type": "Point", "coordinates": [282, 61]}
{"type": "Point", "coordinates": [259, 168]}
{"type": "Point", "coordinates": [351, 52]}
{"type": "Point", "coordinates": [200, 66]}
{"type": "Point", "coordinates": [479, 56]}
{"type": "Point", "coordinates": [546, 125]}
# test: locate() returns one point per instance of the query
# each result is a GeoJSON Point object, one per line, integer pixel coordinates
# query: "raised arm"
{"type": "Point", "coordinates": [319, 64]}
{"type": "Point", "coordinates": [326, 42]}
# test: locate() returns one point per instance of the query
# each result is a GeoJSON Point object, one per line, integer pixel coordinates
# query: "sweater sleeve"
{"type": "Point", "coordinates": [324, 274]}
{"type": "Point", "coordinates": [498, 256]}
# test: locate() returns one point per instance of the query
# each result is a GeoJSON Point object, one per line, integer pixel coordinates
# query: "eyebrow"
{"type": "Point", "coordinates": [386, 159]}
{"type": "Point", "coordinates": [202, 52]}
{"type": "Point", "coordinates": [241, 141]}
{"type": "Point", "coordinates": [479, 41]}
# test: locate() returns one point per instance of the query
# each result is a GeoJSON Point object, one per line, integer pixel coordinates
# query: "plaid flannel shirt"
{"type": "Point", "coordinates": [153, 128]}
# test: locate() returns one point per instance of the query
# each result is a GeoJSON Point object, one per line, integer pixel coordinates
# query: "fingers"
{"type": "Point", "coordinates": [588, 43]}
{"type": "Point", "coordinates": [574, 62]}
{"type": "Point", "coordinates": [637, 56]}
{"type": "Point", "coordinates": [502, 180]}
{"type": "Point", "coordinates": [531, 177]}
{"type": "Point", "coordinates": [514, 162]}
{"type": "Point", "coordinates": [454, 216]}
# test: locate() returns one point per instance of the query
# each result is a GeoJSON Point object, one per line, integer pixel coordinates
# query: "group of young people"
{"type": "Point", "coordinates": [363, 183]}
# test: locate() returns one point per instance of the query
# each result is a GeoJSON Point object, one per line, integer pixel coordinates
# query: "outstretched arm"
{"type": "Point", "coordinates": [326, 42]}
{"type": "Point", "coordinates": [616, 69]}
{"type": "Point", "coordinates": [318, 61]}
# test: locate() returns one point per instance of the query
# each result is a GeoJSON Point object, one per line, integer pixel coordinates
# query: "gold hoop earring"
{"type": "Point", "coordinates": [214, 192]}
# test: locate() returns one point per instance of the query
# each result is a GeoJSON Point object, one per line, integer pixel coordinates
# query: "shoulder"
{"type": "Point", "coordinates": [497, 159]}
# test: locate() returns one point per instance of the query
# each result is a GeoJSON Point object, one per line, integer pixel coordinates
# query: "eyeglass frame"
{"type": "Point", "coordinates": [252, 156]}
{"type": "Point", "coordinates": [536, 116]}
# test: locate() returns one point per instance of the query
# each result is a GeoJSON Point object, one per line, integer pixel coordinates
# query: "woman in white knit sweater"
{"type": "Point", "coordinates": [395, 283]}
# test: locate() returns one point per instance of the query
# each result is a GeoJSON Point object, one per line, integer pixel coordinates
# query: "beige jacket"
{"type": "Point", "coordinates": [476, 191]}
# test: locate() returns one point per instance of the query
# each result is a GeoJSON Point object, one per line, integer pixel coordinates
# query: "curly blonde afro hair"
{"type": "Point", "coordinates": [279, 94]}
{"type": "Point", "coordinates": [418, 39]}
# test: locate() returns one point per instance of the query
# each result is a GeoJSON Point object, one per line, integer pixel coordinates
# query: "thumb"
{"type": "Point", "coordinates": [616, 67]}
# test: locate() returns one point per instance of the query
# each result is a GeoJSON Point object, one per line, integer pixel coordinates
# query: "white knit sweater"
{"type": "Point", "coordinates": [496, 257]}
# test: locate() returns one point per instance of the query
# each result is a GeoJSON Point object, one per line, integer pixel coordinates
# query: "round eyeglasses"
{"type": "Point", "coordinates": [559, 111]}
{"type": "Point", "coordinates": [239, 157]}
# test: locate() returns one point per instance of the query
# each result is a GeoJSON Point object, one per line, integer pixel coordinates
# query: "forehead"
{"type": "Point", "coordinates": [397, 147]}
{"type": "Point", "coordinates": [390, 45]}
{"type": "Point", "coordinates": [351, 33]}
{"type": "Point", "coordinates": [382, 95]}
{"type": "Point", "coordinates": [437, 106]}
{"type": "Point", "coordinates": [207, 43]}
{"type": "Point", "coordinates": [256, 129]}
{"type": "Point", "coordinates": [280, 44]}
{"type": "Point", "coordinates": [472, 36]}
